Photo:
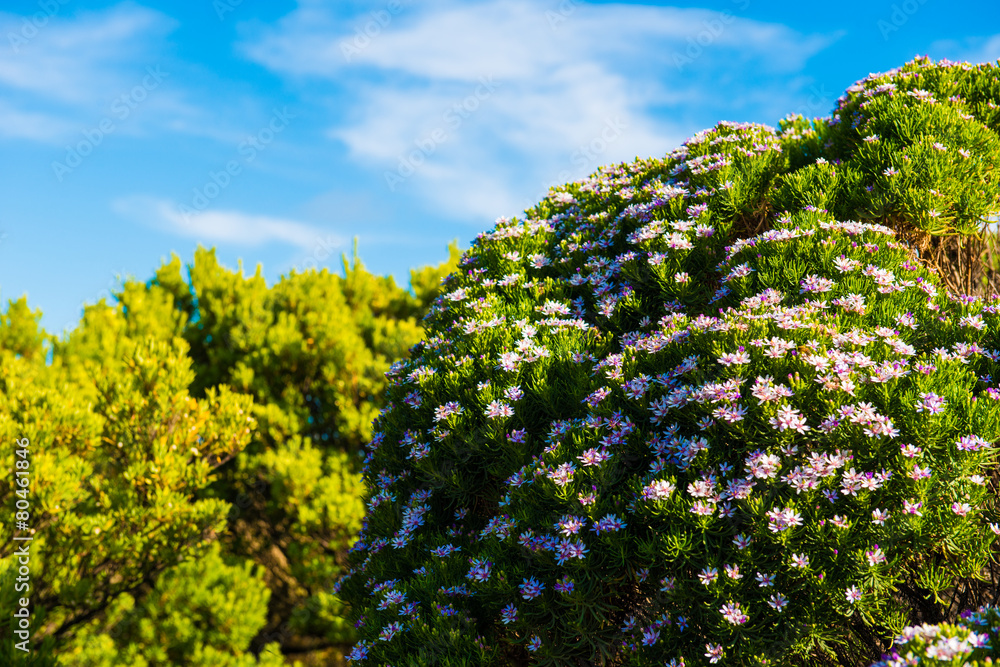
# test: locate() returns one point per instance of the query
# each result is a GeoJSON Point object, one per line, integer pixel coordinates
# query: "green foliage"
{"type": "Point", "coordinates": [201, 612]}
{"type": "Point", "coordinates": [194, 478]}
{"type": "Point", "coordinates": [915, 149]}
{"type": "Point", "coordinates": [19, 331]}
{"type": "Point", "coordinates": [691, 411]}
{"type": "Point", "coordinates": [115, 466]}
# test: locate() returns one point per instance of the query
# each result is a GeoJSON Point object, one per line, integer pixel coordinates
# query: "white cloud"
{"type": "Point", "coordinates": [560, 78]}
{"type": "Point", "coordinates": [36, 126]}
{"type": "Point", "coordinates": [212, 226]}
{"type": "Point", "coordinates": [78, 60]}
{"type": "Point", "coordinates": [79, 69]}
{"type": "Point", "coordinates": [973, 50]}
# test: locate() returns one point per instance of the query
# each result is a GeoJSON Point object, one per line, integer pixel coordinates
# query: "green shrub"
{"type": "Point", "coordinates": [663, 419]}
{"type": "Point", "coordinates": [201, 423]}
{"type": "Point", "coordinates": [201, 612]}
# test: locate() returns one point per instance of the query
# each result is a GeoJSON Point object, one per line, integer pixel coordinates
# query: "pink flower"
{"type": "Point", "coordinates": [442, 412]}
{"type": "Point", "coordinates": [960, 509]}
{"type": "Point", "coordinates": [971, 443]}
{"type": "Point", "coordinates": [731, 612]}
{"type": "Point", "coordinates": [714, 652]}
{"type": "Point", "coordinates": [853, 594]}
{"type": "Point", "coordinates": [880, 516]}
{"type": "Point", "coordinates": [499, 409]}
{"type": "Point", "coordinates": [570, 525]}
{"type": "Point", "coordinates": [738, 358]}
{"type": "Point", "coordinates": [701, 508]}
{"type": "Point", "coordinates": [781, 520]}
{"type": "Point", "coordinates": [731, 415]}
{"type": "Point", "coordinates": [875, 557]}
{"type": "Point", "coordinates": [596, 397]}
{"type": "Point", "coordinates": [814, 283]}
{"type": "Point", "coordinates": [931, 402]}
{"type": "Point", "coordinates": [594, 457]}
{"type": "Point", "coordinates": [789, 418]}
{"type": "Point", "coordinates": [563, 475]}
{"type": "Point", "coordinates": [658, 490]}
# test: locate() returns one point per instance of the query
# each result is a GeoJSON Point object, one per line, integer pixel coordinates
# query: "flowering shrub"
{"type": "Point", "coordinates": [966, 643]}
{"type": "Point", "coordinates": [916, 148]}
{"type": "Point", "coordinates": [659, 422]}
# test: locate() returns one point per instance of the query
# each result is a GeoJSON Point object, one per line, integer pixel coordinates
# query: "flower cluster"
{"type": "Point", "coordinates": [971, 641]}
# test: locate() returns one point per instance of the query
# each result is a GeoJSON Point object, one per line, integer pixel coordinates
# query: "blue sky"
{"type": "Point", "coordinates": [279, 131]}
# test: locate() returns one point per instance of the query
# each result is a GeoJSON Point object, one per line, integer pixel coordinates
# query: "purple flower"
{"type": "Point", "coordinates": [508, 614]}
{"type": "Point", "coordinates": [971, 443]}
{"type": "Point", "coordinates": [609, 523]}
{"type": "Point", "coordinates": [931, 402]}
{"type": "Point", "coordinates": [596, 397]}
{"type": "Point", "coordinates": [564, 585]}
{"type": "Point", "coordinates": [566, 550]}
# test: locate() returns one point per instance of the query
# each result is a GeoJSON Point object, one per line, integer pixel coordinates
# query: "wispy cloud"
{"type": "Point", "coordinates": [213, 226]}
{"type": "Point", "coordinates": [80, 68]}
{"type": "Point", "coordinates": [974, 50]}
{"type": "Point", "coordinates": [79, 60]}
{"type": "Point", "coordinates": [558, 81]}
{"type": "Point", "coordinates": [32, 125]}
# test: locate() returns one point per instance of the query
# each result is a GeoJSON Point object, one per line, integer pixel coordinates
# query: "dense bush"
{"type": "Point", "coordinates": [715, 408]}
{"type": "Point", "coordinates": [194, 484]}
